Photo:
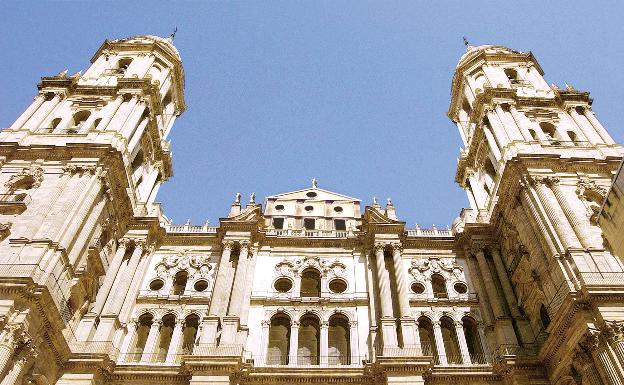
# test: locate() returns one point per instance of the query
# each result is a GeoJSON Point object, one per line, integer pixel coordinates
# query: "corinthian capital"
{"type": "Point", "coordinates": [397, 247]}
{"type": "Point", "coordinates": [227, 245]}
{"type": "Point", "coordinates": [378, 246]}
{"type": "Point", "coordinates": [590, 340]}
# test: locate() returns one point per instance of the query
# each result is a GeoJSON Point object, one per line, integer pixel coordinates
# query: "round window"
{"type": "Point", "coordinates": [283, 285]}
{"type": "Point", "coordinates": [460, 288]}
{"type": "Point", "coordinates": [309, 208]}
{"type": "Point", "coordinates": [311, 194]}
{"type": "Point", "coordinates": [418, 288]}
{"type": "Point", "coordinates": [338, 209]}
{"type": "Point", "coordinates": [201, 285]}
{"type": "Point", "coordinates": [279, 207]}
{"type": "Point", "coordinates": [337, 286]}
{"type": "Point", "coordinates": [156, 284]}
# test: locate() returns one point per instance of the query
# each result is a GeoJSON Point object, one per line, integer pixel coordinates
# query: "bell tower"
{"type": "Point", "coordinates": [129, 97]}
{"type": "Point", "coordinates": [536, 165]}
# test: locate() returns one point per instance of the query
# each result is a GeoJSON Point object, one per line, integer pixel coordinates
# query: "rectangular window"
{"type": "Point", "coordinates": [340, 224]}
{"type": "Point", "coordinates": [309, 223]}
{"type": "Point", "coordinates": [278, 223]}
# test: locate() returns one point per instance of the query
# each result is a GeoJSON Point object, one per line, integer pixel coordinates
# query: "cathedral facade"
{"type": "Point", "coordinates": [97, 287]}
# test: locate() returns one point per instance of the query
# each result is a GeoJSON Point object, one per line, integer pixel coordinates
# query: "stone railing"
{"type": "Point", "coordinates": [307, 361]}
{"type": "Point", "coordinates": [428, 233]}
{"type": "Point", "coordinates": [602, 279]}
{"type": "Point", "coordinates": [178, 229]}
{"type": "Point", "coordinates": [310, 233]}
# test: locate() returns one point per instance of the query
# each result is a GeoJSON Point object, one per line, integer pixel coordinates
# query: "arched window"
{"type": "Point", "coordinates": [427, 339]}
{"type": "Point", "coordinates": [512, 75]}
{"type": "Point", "coordinates": [143, 329]}
{"type": "Point", "coordinates": [533, 134]}
{"type": "Point", "coordinates": [544, 317]}
{"type": "Point", "coordinates": [189, 333]}
{"type": "Point", "coordinates": [480, 83]}
{"type": "Point", "coordinates": [310, 283]}
{"type": "Point", "coordinates": [54, 123]}
{"type": "Point", "coordinates": [473, 340]}
{"type": "Point", "coordinates": [490, 175]}
{"type": "Point", "coordinates": [449, 336]}
{"type": "Point", "coordinates": [122, 65]}
{"type": "Point", "coordinates": [96, 122]}
{"type": "Point", "coordinates": [573, 137]}
{"type": "Point", "coordinates": [166, 332]}
{"type": "Point", "coordinates": [339, 340]}
{"type": "Point", "coordinates": [550, 131]}
{"type": "Point", "coordinates": [309, 339]}
{"type": "Point", "coordinates": [179, 282]}
{"type": "Point", "coordinates": [438, 283]}
{"type": "Point", "coordinates": [279, 340]}
{"type": "Point", "coordinates": [79, 119]}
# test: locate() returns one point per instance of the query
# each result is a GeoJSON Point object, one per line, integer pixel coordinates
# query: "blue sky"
{"type": "Point", "coordinates": [353, 93]}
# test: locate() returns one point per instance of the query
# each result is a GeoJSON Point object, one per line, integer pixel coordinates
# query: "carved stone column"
{"type": "Point", "coordinates": [497, 127]}
{"type": "Point", "coordinates": [607, 369]}
{"type": "Point", "coordinates": [439, 342]}
{"type": "Point", "coordinates": [240, 277]}
{"type": "Point", "coordinates": [223, 283]}
{"type": "Point", "coordinates": [520, 123]}
{"type": "Point", "coordinates": [293, 349]}
{"type": "Point", "coordinates": [128, 341]}
{"type": "Point", "coordinates": [388, 323]}
{"type": "Point", "coordinates": [399, 272]}
{"type": "Point", "coordinates": [354, 342]}
{"type": "Point", "coordinates": [492, 142]}
{"type": "Point", "coordinates": [615, 337]}
{"type": "Point", "coordinates": [34, 106]}
{"type": "Point", "coordinates": [585, 127]}
{"type": "Point", "coordinates": [111, 109]}
{"type": "Point", "coordinates": [510, 296]}
{"type": "Point", "coordinates": [152, 342]}
{"type": "Point", "coordinates": [532, 212]}
{"type": "Point", "coordinates": [461, 340]}
{"type": "Point", "coordinates": [111, 273]}
{"type": "Point", "coordinates": [562, 227]}
{"type": "Point", "coordinates": [324, 343]}
{"type": "Point", "coordinates": [584, 365]}
{"type": "Point", "coordinates": [497, 308]}
{"type": "Point", "coordinates": [8, 343]}
{"type": "Point", "coordinates": [25, 356]}
{"type": "Point", "coordinates": [264, 342]}
{"type": "Point", "coordinates": [114, 306]}
{"type": "Point", "coordinates": [38, 116]}
{"type": "Point", "coordinates": [176, 339]}
{"type": "Point", "coordinates": [576, 221]}
{"type": "Point", "coordinates": [589, 114]}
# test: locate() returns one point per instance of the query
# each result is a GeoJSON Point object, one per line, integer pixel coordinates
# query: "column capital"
{"type": "Point", "coordinates": [265, 323]}
{"type": "Point", "coordinates": [379, 246]}
{"type": "Point", "coordinates": [294, 324]}
{"type": "Point", "coordinates": [477, 247]}
{"type": "Point", "coordinates": [123, 242]}
{"type": "Point", "coordinates": [590, 340]}
{"type": "Point", "coordinates": [157, 323]}
{"type": "Point", "coordinates": [614, 331]}
{"type": "Point", "coordinates": [353, 324]}
{"type": "Point", "coordinates": [227, 245]}
{"type": "Point", "coordinates": [324, 325]}
{"type": "Point", "coordinates": [139, 243]}
{"type": "Point", "coordinates": [396, 246]}
{"type": "Point", "coordinates": [581, 359]}
{"type": "Point", "coordinates": [459, 324]}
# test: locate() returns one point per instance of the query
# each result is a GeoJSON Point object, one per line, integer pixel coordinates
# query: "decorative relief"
{"type": "Point", "coordinates": [422, 269]}
{"type": "Point", "coordinates": [195, 265]}
{"type": "Point", "coordinates": [32, 176]}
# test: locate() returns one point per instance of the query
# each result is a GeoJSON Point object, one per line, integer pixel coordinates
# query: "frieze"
{"type": "Point", "coordinates": [32, 175]}
{"type": "Point", "coordinates": [194, 265]}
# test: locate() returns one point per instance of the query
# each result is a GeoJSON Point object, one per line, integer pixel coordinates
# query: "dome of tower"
{"type": "Point", "coordinates": [474, 51]}
{"type": "Point", "coordinates": [165, 43]}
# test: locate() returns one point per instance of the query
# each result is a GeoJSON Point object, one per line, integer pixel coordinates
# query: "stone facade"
{"type": "Point", "coordinates": [98, 287]}
{"type": "Point", "coordinates": [611, 218]}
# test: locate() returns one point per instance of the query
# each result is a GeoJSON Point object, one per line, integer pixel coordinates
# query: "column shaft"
{"type": "Point", "coordinates": [598, 126]}
{"type": "Point", "coordinates": [562, 228]}
{"type": "Point", "coordinates": [489, 284]}
{"type": "Point", "coordinates": [111, 273]}
{"type": "Point", "coordinates": [293, 349]}
{"type": "Point", "coordinates": [114, 306]}
{"type": "Point", "coordinates": [586, 128]}
{"type": "Point", "coordinates": [520, 124]}
{"type": "Point", "coordinates": [37, 117]}
{"type": "Point", "coordinates": [510, 296]}
{"type": "Point", "coordinates": [439, 342]}
{"type": "Point", "coordinates": [39, 99]}
{"type": "Point", "coordinates": [463, 346]}
{"type": "Point", "coordinates": [324, 344]}
{"type": "Point", "coordinates": [492, 142]}
{"type": "Point", "coordinates": [354, 344]}
{"type": "Point", "coordinates": [223, 283]}
{"type": "Point", "coordinates": [152, 342]}
{"type": "Point", "coordinates": [176, 338]}
{"type": "Point", "coordinates": [383, 280]}
{"type": "Point", "coordinates": [111, 109]}
{"type": "Point", "coordinates": [128, 341]}
{"type": "Point", "coordinates": [399, 272]}
{"type": "Point", "coordinates": [240, 277]}
{"type": "Point", "coordinates": [576, 221]}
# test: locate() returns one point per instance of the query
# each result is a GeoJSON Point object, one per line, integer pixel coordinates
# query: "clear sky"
{"type": "Point", "coordinates": [353, 93]}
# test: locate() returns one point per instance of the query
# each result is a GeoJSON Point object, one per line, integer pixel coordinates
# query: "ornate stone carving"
{"type": "Point", "coordinates": [33, 176]}
{"type": "Point", "coordinates": [585, 185]}
{"type": "Point", "coordinates": [422, 269]}
{"type": "Point", "coordinates": [195, 265]}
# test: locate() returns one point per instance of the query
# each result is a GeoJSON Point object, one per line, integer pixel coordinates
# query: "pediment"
{"type": "Point", "coordinates": [249, 214]}
{"type": "Point", "coordinates": [320, 195]}
{"type": "Point", "coordinates": [373, 215]}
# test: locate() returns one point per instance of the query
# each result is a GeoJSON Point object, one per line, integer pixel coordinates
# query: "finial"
{"type": "Point", "coordinates": [389, 202]}
{"type": "Point", "coordinates": [175, 30]}
{"type": "Point", "coordinates": [252, 198]}
{"type": "Point", "coordinates": [188, 222]}
{"type": "Point", "coordinates": [314, 183]}
{"type": "Point", "coordinates": [238, 198]}
{"type": "Point", "coordinates": [375, 201]}
{"type": "Point", "coordinates": [63, 73]}
{"type": "Point", "coordinates": [465, 41]}
{"type": "Point", "coordinates": [207, 223]}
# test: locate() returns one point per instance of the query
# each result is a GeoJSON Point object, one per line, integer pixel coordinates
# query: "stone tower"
{"type": "Point", "coordinates": [536, 166]}
{"type": "Point", "coordinates": [81, 164]}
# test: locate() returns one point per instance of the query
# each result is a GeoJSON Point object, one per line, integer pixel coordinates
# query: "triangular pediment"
{"type": "Point", "coordinates": [249, 214]}
{"type": "Point", "coordinates": [313, 194]}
